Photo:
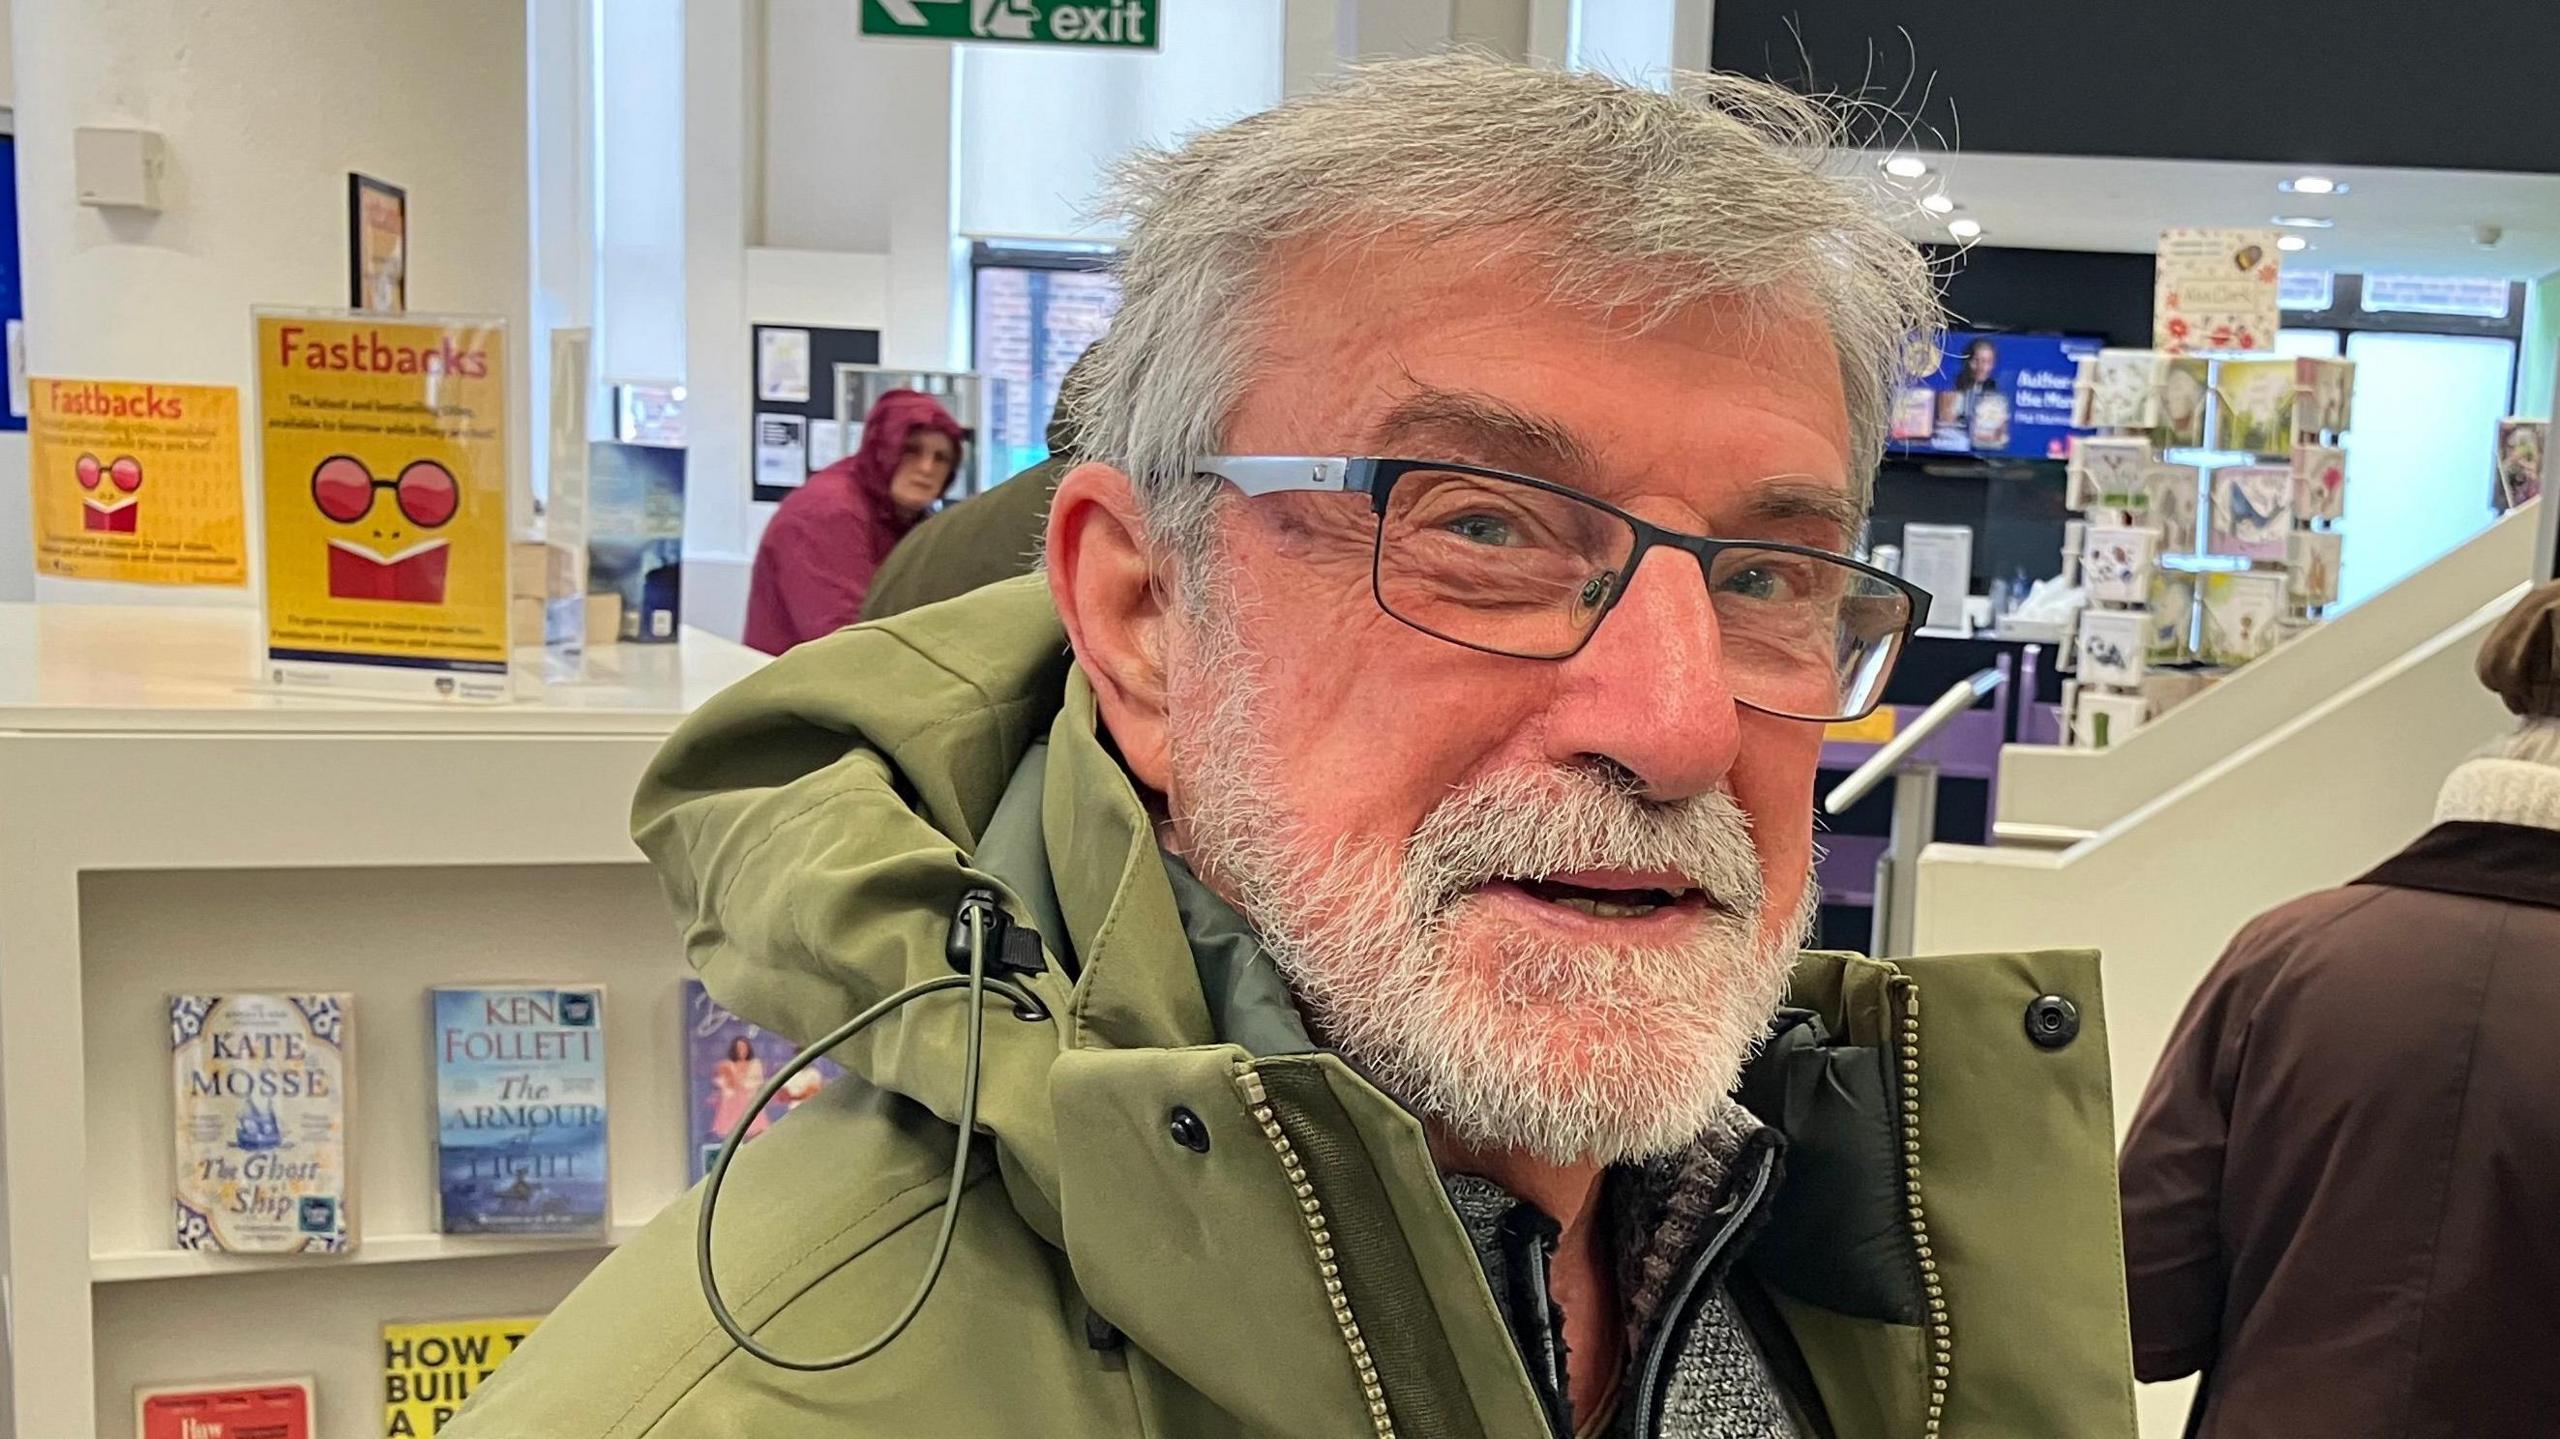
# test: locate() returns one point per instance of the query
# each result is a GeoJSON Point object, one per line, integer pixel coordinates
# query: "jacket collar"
{"type": "Point", "coordinates": [2502, 791]}
{"type": "Point", "coordinates": [2512, 862]}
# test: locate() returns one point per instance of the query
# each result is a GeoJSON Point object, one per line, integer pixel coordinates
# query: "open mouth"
{"type": "Point", "coordinates": [1609, 901]}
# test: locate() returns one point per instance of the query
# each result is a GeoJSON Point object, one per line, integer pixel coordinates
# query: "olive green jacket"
{"type": "Point", "coordinates": [1943, 1257]}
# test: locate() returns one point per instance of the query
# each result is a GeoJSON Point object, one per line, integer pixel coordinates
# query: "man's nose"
{"type": "Point", "coordinates": [1649, 692]}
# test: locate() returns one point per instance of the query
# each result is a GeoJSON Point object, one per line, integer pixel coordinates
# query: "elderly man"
{"type": "Point", "coordinates": [1392, 811]}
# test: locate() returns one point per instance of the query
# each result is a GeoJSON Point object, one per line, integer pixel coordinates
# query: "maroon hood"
{"type": "Point", "coordinates": [898, 414]}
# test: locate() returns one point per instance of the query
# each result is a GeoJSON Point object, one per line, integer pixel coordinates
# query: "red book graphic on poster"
{"type": "Point", "coordinates": [415, 575]}
{"type": "Point", "coordinates": [278, 1409]}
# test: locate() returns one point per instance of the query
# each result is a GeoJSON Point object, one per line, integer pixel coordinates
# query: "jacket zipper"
{"type": "Point", "coordinates": [1676, 1316]}
{"type": "Point", "coordinates": [1311, 1210]}
{"type": "Point", "coordinates": [1942, 1338]}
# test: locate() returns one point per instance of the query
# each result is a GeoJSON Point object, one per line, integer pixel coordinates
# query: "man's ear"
{"type": "Point", "coordinates": [1103, 581]}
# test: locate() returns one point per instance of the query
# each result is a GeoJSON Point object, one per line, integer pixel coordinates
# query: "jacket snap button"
{"type": "Point", "coordinates": [2053, 1021]}
{"type": "Point", "coordinates": [1187, 1130]}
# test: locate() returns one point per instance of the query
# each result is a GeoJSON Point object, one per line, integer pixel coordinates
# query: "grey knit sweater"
{"type": "Point", "coordinates": [1714, 1383]}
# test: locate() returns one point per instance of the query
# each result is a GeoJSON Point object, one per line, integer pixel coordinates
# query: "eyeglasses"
{"type": "Point", "coordinates": [125, 473]}
{"type": "Point", "coordinates": [425, 491]}
{"type": "Point", "coordinates": [1517, 566]}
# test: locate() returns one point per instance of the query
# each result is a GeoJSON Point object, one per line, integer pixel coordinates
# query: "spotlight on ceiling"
{"type": "Point", "coordinates": [2311, 185]}
{"type": "Point", "coordinates": [1965, 229]}
{"type": "Point", "coordinates": [2290, 243]}
{"type": "Point", "coordinates": [1906, 167]}
{"type": "Point", "coordinates": [1937, 204]}
{"type": "Point", "coordinates": [2304, 222]}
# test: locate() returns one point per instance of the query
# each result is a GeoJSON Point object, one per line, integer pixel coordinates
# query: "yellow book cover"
{"type": "Point", "coordinates": [428, 1369]}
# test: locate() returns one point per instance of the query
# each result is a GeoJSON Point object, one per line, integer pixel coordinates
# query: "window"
{"type": "Point", "coordinates": [1033, 310]}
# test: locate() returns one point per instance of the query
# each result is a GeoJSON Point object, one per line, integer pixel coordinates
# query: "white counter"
{"type": "Point", "coordinates": [129, 667]}
{"type": "Point", "coordinates": [167, 825]}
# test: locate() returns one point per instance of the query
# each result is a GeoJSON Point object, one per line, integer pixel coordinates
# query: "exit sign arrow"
{"type": "Point", "coordinates": [1109, 24]}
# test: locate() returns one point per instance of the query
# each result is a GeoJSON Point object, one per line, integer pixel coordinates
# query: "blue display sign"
{"type": "Point", "coordinates": [2004, 396]}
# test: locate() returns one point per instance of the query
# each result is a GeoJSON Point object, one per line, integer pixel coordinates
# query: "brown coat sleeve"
{"type": "Point", "coordinates": [2171, 1172]}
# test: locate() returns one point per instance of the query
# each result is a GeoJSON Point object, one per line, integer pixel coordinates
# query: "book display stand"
{"type": "Point", "coordinates": [175, 829]}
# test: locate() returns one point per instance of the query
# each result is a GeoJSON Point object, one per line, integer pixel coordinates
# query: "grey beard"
{"type": "Point", "coordinates": [1573, 1052]}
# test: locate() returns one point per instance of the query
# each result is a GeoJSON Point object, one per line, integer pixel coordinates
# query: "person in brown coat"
{"type": "Point", "coordinates": [2342, 1191]}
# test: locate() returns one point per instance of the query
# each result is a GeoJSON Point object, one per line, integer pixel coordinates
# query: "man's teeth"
{"type": "Point", "coordinates": [1605, 909]}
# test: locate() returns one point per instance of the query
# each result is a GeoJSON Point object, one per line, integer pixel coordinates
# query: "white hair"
{"type": "Point", "coordinates": [1633, 201]}
{"type": "Point", "coordinates": [2536, 741]}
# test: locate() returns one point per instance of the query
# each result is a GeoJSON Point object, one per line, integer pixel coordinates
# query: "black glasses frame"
{"type": "Point", "coordinates": [1376, 477]}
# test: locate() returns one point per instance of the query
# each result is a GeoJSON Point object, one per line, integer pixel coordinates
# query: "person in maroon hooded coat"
{"type": "Point", "coordinates": [828, 537]}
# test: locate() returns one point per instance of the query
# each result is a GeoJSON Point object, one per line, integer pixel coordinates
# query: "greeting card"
{"type": "Point", "coordinates": [2113, 644]}
{"type": "Point", "coordinates": [2183, 387]}
{"type": "Point", "coordinates": [2241, 615]}
{"type": "Point", "coordinates": [2172, 612]}
{"type": "Point", "coordinates": [2311, 567]}
{"type": "Point", "coordinates": [2259, 400]}
{"type": "Point", "coordinates": [2319, 483]}
{"type": "Point", "coordinates": [2177, 500]}
{"type": "Point", "coordinates": [2116, 563]}
{"type": "Point", "coordinates": [2106, 472]}
{"type": "Point", "coordinates": [2119, 389]}
{"type": "Point", "coordinates": [2328, 390]}
{"type": "Point", "coordinates": [2252, 511]}
{"type": "Point", "coordinates": [2099, 720]}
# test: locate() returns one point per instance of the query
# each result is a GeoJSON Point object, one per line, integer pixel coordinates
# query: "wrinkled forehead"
{"type": "Point", "coordinates": [1714, 413]}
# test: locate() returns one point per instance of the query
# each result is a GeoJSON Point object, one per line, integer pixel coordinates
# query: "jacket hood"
{"type": "Point", "coordinates": [815, 828]}
{"type": "Point", "coordinates": [895, 416]}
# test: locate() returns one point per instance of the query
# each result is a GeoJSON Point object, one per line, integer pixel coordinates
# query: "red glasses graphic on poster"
{"type": "Point", "coordinates": [114, 502]}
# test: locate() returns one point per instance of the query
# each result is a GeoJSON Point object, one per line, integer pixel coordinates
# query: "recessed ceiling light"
{"type": "Point", "coordinates": [2312, 185]}
{"type": "Point", "coordinates": [1906, 167]}
{"type": "Point", "coordinates": [2292, 242]}
{"type": "Point", "coordinates": [1965, 229]}
{"type": "Point", "coordinates": [1937, 204]}
{"type": "Point", "coordinates": [2304, 222]}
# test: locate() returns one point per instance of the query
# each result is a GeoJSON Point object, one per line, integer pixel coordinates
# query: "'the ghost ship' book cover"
{"type": "Point", "coordinates": [261, 1109]}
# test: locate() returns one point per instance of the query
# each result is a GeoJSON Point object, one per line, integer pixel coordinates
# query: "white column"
{"type": "Point", "coordinates": [720, 161]}
{"type": "Point", "coordinates": [265, 108]}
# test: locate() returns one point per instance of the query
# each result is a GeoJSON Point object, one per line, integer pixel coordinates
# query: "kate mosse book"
{"type": "Point", "coordinates": [261, 1122]}
{"type": "Point", "coordinates": [520, 1109]}
{"type": "Point", "coordinates": [267, 1409]}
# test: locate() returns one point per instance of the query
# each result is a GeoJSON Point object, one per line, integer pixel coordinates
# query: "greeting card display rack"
{"type": "Point", "coordinates": [2195, 567]}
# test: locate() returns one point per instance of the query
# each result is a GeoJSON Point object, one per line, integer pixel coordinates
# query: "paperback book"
{"type": "Point", "coordinates": [2252, 511]}
{"type": "Point", "coordinates": [520, 1110]}
{"type": "Point", "coordinates": [268, 1409]}
{"type": "Point", "coordinates": [726, 1060]}
{"type": "Point", "coordinates": [429, 1369]}
{"type": "Point", "coordinates": [2258, 406]}
{"type": "Point", "coordinates": [261, 1091]}
{"type": "Point", "coordinates": [2319, 483]}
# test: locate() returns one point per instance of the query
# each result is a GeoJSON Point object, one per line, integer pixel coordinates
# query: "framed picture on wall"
{"type": "Point", "coordinates": [377, 245]}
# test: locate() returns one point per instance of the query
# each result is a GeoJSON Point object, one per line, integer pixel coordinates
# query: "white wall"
{"type": "Point", "coordinates": [265, 107]}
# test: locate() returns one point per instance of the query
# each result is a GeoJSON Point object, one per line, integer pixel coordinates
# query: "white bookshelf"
{"type": "Point", "coordinates": [166, 825]}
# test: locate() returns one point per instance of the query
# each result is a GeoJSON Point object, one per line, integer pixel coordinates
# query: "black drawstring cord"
{"type": "Point", "coordinates": [970, 931]}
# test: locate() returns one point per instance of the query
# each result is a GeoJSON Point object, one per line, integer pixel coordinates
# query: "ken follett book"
{"type": "Point", "coordinates": [520, 1110]}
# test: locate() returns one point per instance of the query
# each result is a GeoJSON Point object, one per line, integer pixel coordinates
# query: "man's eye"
{"type": "Point", "coordinates": [1762, 582]}
{"type": "Point", "coordinates": [1483, 529]}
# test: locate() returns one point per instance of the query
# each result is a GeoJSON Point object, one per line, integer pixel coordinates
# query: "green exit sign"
{"type": "Point", "coordinates": [1109, 24]}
